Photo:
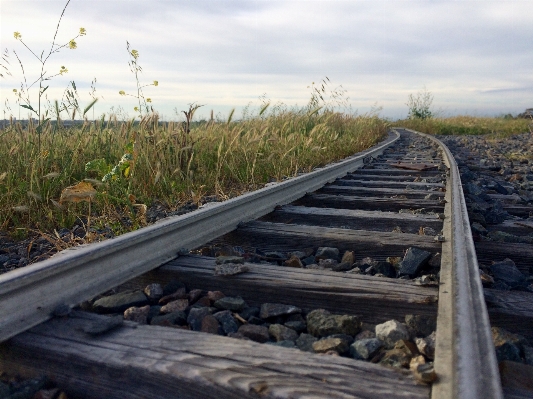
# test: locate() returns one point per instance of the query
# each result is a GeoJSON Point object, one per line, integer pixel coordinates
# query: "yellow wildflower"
{"type": "Point", "coordinates": [63, 70]}
{"type": "Point", "coordinates": [156, 83]}
{"type": "Point", "coordinates": [135, 54]}
{"type": "Point", "coordinates": [72, 45]}
{"type": "Point", "coordinates": [136, 109]}
{"type": "Point", "coordinates": [122, 92]}
{"type": "Point", "coordinates": [148, 100]}
{"type": "Point", "coordinates": [14, 90]}
{"type": "Point", "coordinates": [17, 35]}
{"type": "Point", "coordinates": [82, 32]}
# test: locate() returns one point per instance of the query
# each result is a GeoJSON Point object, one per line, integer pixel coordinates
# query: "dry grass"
{"type": "Point", "coordinates": [164, 162]}
{"type": "Point", "coordinates": [468, 125]}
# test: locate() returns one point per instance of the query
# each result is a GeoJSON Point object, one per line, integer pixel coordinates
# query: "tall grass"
{"type": "Point", "coordinates": [166, 162]}
{"type": "Point", "coordinates": [468, 125]}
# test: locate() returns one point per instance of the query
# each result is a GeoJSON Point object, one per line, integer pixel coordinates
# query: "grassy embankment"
{"type": "Point", "coordinates": [469, 125]}
{"type": "Point", "coordinates": [162, 162]}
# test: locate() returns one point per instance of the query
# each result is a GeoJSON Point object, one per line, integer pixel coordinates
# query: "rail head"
{"type": "Point", "coordinates": [465, 359]}
{"type": "Point", "coordinates": [28, 296]}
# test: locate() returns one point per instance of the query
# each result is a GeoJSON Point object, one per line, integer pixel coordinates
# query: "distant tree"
{"type": "Point", "coordinates": [420, 105]}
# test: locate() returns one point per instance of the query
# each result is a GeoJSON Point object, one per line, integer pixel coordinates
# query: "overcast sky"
{"type": "Point", "coordinates": [475, 57]}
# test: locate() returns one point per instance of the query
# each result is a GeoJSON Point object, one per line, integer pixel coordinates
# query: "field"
{"type": "Point", "coordinates": [469, 125]}
{"type": "Point", "coordinates": [125, 167]}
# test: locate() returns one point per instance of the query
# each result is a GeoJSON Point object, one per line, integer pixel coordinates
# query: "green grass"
{"type": "Point", "coordinates": [166, 163]}
{"type": "Point", "coordinates": [469, 125]}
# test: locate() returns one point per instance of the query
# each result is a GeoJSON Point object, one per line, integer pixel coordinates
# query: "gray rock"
{"type": "Point", "coordinates": [308, 261]}
{"type": "Point", "coordinates": [327, 253]}
{"type": "Point", "coordinates": [282, 333]}
{"type": "Point", "coordinates": [384, 268]}
{"type": "Point", "coordinates": [227, 321]}
{"type": "Point", "coordinates": [413, 261]}
{"type": "Point", "coordinates": [426, 346]}
{"type": "Point", "coordinates": [277, 309]}
{"type": "Point", "coordinates": [422, 325]}
{"type": "Point", "coordinates": [305, 342]}
{"type": "Point", "coordinates": [322, 323]}
{"type": "Point", "coordinates": [154, 291]}
{"type": "Point", "coordinates": [342, 267]}
{"type": "Point", "coordinates": [255, 333]}
{"type": "Point", "coordinates": [194, 319]}
{"type": "Point", "coordinates": [325, 345]}
{"type": "Point", "coordinates": [248, 312]}
{"type": "Point", "coordinates": [138, 315]}
{"type": "Point", "coordinates": [507, 272]}
{"type": "Point", "coordinates": [296, 325]}
{"type": "Point", "coordinates": [234, 304]}
{"type": "Point", "coordinates": [118, 303]}
{"type": "Point", "coordinates": [391, 331]}
{"type": "Point", "coordinates": [365, 348]}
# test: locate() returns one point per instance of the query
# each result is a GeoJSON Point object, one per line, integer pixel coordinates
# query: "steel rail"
{"type": "Point", "coordinates": [29, 296]}
{"type": "Point", "coordinates": [465, 359]}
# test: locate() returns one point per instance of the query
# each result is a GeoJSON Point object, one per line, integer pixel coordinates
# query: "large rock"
{"type": "Point", "coordinates": [277, 309]}
{"type": "Point", "coordinates": [255, 333]}
{"type": "Point", "coordinates": [391, 331]}
{"type": "Point", "coordinates": [196, 316]}
{"type": "Point", "coordinates": [508, 345]}
{"type": "Point", "coordinates": [422, 325]}
{"type": "Point", "coordinates": [413, 261]}
{"type": "Point", "coordinates": [170, 319]}
{"type": "Point", "coordinates": [365, 348]}
{"type": "Point", "coordinates": [305, 342]}
{"type": "Point", "coordinates": [138, 315]}
{"type": "Point", "coordinates": [327, 253]}
{"type": "Point", "coordinates": [175, 306]}
{"type": "Point", "coordinates": [507, 272]}
{"type": "Point", "coordinates": [210, 325]}
{"type": "Point", "coordinates": [234, 304]}
{"type": "Point", "coordinates": [282, 333]}
{"type": "Point", "coordinates": [227, 321]}
{"type": "Point", "coordinates": [330, 344]}
{"type": "Point", "coordinates": [322, 323]}
{"type": "Point", "coordinates": [118, 303]}
{"type": "Point", "coordinates": [384, 268]}
{"type": "Point", "coordinates": [154, 292]}
{"type": "Point", "coordinates": [426, 346]}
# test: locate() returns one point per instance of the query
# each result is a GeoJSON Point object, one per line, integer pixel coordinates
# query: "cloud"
{"type": "Point", "coordinates": [227, 53]}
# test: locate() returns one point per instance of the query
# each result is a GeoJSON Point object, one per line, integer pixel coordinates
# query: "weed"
{"type": "Point", "coordinates": [420, 105]}
{"type": "Point", "coordinates": [136, 69]}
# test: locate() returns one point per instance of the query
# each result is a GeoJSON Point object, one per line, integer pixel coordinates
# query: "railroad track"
{"type": "Point", "coordinates": [404, 193]}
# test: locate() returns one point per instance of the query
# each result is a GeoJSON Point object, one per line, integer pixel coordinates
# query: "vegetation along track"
{"type": "Point", "coordinates": [360, 267]}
